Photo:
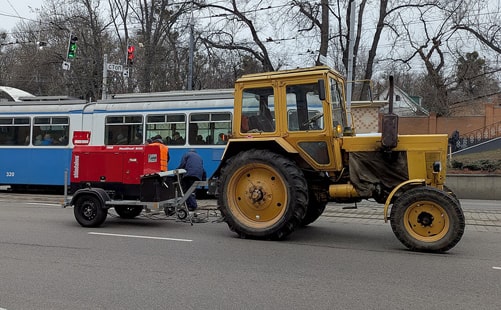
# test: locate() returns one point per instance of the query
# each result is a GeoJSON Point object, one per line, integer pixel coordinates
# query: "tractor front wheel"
{"type": "Point", "coordinates": [427, 219]}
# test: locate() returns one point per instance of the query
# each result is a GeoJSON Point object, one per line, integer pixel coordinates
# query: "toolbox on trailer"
{"type": "Point", "coordinates": [155, 187]}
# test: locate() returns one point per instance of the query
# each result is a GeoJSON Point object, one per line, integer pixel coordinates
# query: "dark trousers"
{"type": "Point", "coordinates": [186, 183]}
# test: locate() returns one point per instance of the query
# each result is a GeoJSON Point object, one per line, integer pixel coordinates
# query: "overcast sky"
{"type": "Point", "coordinates": [14, 11]}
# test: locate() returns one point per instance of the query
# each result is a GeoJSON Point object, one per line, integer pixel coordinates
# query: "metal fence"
{"type": "Point", "coordinates": [469, 139]}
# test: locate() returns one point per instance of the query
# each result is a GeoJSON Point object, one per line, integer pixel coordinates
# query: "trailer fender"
{"type": "Point", "coordinates": [395, 190]}
{"type": "Point", "coordinates": [100, 193]}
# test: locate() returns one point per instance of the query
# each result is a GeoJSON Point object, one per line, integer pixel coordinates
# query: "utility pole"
{"type": "Point", "coordinates": [349, 77]}
{"type": "Point", "coordinates": [105, 77]}
{"type": "Point", "coordinates": [191, 51]}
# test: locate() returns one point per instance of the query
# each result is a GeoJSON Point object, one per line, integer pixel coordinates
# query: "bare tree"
{"type": "Point", "coordinates": [225, 39]}
{"type": "Point", "coordinates": [161, 63]}
{"type": "Point", "coordinates": [317, 16]}
{"type": "Point", "coordinates": [482, 19]}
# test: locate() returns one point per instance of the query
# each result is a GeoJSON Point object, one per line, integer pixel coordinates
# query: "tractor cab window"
{"type": "Point", "coordinates": [338, 116]}
{"type": "Point", "coordinates": [304, 108]}
{"type": "Point", "coordinates": [258, 110]}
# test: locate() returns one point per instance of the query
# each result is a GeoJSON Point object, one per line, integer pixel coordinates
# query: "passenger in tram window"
{"type": "Point", "coordinates": [138, 139]}
{"type": "Point", "coordinates": [38, 140]}
{"type": "Point", "coordinates": [47, 139]}
{"type": "Point", "coordinates": [177, 139]}
{"type": "Point", "coordinates": [121, 139]}
{"type": "Point", "coordinates": [210, 140]}
{"type": "Point", "coordinates": [199, 140]}
{"type": "Point", "coordinates": [63, 140]}
{"type": "Point", "coordinates": [221, 139]}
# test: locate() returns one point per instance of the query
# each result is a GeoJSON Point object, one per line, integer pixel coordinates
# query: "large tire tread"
{"type": "Point", "coordinates": [448, 202]}
{"type": "Point", "coordinates": [298, 200]}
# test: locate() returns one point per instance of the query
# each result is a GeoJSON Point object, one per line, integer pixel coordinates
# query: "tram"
{"type": "Point", "coordinates": [36, 133]}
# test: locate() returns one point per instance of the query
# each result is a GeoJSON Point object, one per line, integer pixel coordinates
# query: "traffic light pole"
{"type": "Point", "coordinates": [105, 77]}
{"type": "Point", "coordinates": [68, 48]}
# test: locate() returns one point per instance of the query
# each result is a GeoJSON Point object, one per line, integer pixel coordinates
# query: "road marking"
{"type": "Point", "coordinates": [42, 204]}
{"type": "Point", "coordinates": [140, 237]}
{"type": "Point", "coordinates": [497, 268]}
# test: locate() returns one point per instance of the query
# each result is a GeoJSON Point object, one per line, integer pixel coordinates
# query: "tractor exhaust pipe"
{"type": "Point", "coordinates": [389, 134]}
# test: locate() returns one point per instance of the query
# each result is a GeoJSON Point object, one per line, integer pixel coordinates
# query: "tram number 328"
{"type": "Point", "coordinates": [10, 174]}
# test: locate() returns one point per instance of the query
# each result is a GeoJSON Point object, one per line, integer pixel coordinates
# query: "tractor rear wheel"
{"type": "Point", "coordinates": [128, 212]}
{"type": "Point", "coordinates": [263, 195]}
{"type": "Point", "coordinates": [89, 211]}
{"type": "Point", "coordinates": [427, 219]}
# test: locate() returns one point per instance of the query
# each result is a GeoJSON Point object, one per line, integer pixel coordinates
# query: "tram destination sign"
{"type": "Point", "coordinates": [115, 67]}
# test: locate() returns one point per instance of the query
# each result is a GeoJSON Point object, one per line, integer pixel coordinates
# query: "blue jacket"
{"type": "Point", "coordinates": [193, 164]}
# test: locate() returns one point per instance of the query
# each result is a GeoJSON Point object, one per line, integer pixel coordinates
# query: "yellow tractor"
{"type": "Point", "coordinates": [292, 151]}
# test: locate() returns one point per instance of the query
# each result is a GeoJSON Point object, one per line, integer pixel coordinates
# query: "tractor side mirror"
{"type": "Point", "coordinates": [321, 89]}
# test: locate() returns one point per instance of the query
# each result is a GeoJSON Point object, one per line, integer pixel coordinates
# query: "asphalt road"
{"type": "Point", "coordinates": [48, 261]}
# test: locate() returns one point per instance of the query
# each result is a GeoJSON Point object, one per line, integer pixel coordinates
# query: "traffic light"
{"type": "Point", "coordinates": [130, 54]}
{"type": "Point", "coordinates": [72, 47]}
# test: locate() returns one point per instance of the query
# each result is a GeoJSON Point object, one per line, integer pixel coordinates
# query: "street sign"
{"type": "Point", "coordinates": [66, 65]}
{"type": "Point", "coordinates": [126, 72]}
{"type": "Point", "coordinates": [114, 67]}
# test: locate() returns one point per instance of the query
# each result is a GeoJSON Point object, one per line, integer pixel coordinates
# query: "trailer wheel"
{"type": "Point", "coordinates": [264, 195]}
{"type": "Point", "coordinates": [128, 212]}
{"type": "Point", "coordinates": [182, 214]}
{"type": "Point", "coordinates": [89, 211]}
{"type": "Point", "coordinates": [427, 219]}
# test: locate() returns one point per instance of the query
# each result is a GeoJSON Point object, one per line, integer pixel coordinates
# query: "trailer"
{"type": "Point", "coordinates": [127, 179]}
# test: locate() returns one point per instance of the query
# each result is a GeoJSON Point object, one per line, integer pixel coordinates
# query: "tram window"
{"type": "Point", "coordinates": [51, 131]}
{"type": "Point", "coordinates": [207, 128]}
{"type": "Point", "coordinates": [15, 131]}
{"type": "Point", "coordinates": [172, 128]}
{"type": "Point", "coordinates": [123, 130]}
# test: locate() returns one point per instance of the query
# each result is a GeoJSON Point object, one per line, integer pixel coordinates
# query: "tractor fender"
{"type": "Point", "coordinates": [395, 190]}
{"type": "Point", "coordinates": [99, 193]}
{"type": "Point", "coordinates": [235, 146]}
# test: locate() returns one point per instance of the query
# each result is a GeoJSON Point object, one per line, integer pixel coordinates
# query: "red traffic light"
{"type": "Point", "coordinates": [130, 54]}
